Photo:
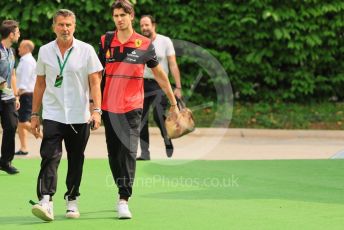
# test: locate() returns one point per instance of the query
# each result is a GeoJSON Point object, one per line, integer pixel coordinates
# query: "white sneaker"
{"type": "Point", "coordinates": [44, 209]}
{"type": "Point", "coordinates": [72, 208]}
{"type": "Point", "coordinates": [123, 210]}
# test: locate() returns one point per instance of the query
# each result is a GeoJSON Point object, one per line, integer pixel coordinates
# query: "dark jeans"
{"type": "Point", "coordinates": [156, 98]}
{"type": "Point", "coordinates": [9, 122]}
{"type": "Point", "coordinates": [122, 136]}
{"type": "Point", "coordinates": [51, 152]}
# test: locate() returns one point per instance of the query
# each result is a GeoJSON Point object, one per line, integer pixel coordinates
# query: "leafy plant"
{"type": "Point", "coordinates": [271, 51]}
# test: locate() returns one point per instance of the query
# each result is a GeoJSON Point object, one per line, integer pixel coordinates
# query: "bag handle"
{"type": "Point", "coordinates": [180, 103]}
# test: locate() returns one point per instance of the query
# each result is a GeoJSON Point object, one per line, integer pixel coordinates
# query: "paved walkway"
{"type": "Point", "coordinates": [230, 144]}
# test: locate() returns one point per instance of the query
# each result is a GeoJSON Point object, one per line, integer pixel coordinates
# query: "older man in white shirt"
{"type": "Point", "coordinates": [26, 78]}
{"type": "Point", "coordinates": [68, 71]}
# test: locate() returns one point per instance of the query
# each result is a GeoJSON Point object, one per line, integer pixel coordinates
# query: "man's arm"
{"type": "Point", "coordinates": [3, 83]}
{"type": "Point", "coordinates": [162, 79]}
{"type": "Point", "coordinates": [14, 88]}
{"type": "Point", "coordinates": [36, 104]}
{"type": "Point", "coordinates": [94, 80]}
{"type": "Point", "coordinates": [172, 63]}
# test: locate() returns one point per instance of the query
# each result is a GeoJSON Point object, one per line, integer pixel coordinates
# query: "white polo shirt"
{"type": "Point", "coordinates": [25, 72]}
{"type": "Point", "coordinates": [70, 103]}
{"type": "Point", "coordinates": [163, 48]}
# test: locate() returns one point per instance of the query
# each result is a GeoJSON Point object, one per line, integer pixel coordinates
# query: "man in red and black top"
{"type": "Point", "coordinates": [123, 95]}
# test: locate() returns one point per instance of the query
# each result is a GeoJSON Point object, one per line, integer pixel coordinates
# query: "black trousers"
{"type": "Point", "coordinates": [75, 137]}
{"type": "Point", "coordinates": [122, 136]}
{"type": "Point", "coordinates": [9, 122]}
{"type": "Point", "coordinates": [156, 98]}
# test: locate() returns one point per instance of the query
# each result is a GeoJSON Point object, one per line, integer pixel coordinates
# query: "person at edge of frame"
{"type": "Point", "coordinates": [9, 103]}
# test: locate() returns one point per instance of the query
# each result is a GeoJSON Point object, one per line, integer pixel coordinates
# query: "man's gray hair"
{"type": "Point", "coordinates": [64, 13]}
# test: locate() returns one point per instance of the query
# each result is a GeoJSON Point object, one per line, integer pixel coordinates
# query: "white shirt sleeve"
{"type": "Point", "coordinates": [40, 67]}
{"type": "Point", "coordinates": [93, 63]}
{"type": "Point", "coordinates": [169, 47]}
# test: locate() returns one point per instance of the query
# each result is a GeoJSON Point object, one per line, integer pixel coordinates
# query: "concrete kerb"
{"type": "Point", "coordinates": [263, 144]}
{"type": "Point", "coordinates": [228, 144]}
{"type": "Point", "coordinates": [253, 133]}
{"type": "Point", "coordinates": [263, 133]}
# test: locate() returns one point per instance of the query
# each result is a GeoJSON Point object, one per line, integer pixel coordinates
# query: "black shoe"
{"type": "Point", "coordinates": [142, 159]}
{"type": "Point", "coordinates": [21, 153]}
{"type": "Point", "coordinates": [9, 169]}
{"type": "Point", "coordinates": [169, 149]}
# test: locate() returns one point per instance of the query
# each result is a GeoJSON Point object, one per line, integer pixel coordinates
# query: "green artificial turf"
{"type": "Point", "coordinates": [287, 194]}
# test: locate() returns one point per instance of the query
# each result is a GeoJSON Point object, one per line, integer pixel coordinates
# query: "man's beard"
{"type": "Point", "coordinates": [147, 34]}
{"type": "Point", "coordinates": [65, 37]}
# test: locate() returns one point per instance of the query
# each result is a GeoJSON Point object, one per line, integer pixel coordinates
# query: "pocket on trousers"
{"type": "Point", "coordinates": [134, 118]}
{"type": "Point", "coordinates": [134, 121]}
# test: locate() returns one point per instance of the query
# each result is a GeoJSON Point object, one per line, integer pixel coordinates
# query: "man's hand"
{"type": "Point", "coordinates": [36, 126]}
{"type": "Point", "coordinates": [95, 120]}
{"type": "Point", "coordinates": [178, 92]}
{"type": "Point", "coordinates": [17, 103]}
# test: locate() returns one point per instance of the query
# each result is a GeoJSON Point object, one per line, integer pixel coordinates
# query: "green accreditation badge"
{"type": "Point", "coordinates": [58, 81]}
{"type": "Point", "coordinates": [59, 78]}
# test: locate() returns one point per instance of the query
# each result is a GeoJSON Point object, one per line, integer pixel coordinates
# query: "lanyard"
{"type": "Point", "coordinates": [65, 61]}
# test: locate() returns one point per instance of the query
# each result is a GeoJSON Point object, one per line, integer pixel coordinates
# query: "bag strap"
{"type": "Point", "coordinates": [180, 103]}
{"type": "Point", "coordinates": [104, 47]}
{"type": "Point", "coordinates": [108, 39]}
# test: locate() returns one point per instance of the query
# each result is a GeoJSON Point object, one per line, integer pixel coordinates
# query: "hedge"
{"type": "Point", "coordinates": [271, 50]}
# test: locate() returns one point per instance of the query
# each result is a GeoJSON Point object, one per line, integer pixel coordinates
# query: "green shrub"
{"type": "Point", "coordinates": [271, 50]}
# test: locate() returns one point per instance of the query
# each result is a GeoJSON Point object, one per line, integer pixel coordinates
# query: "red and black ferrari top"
{"type": "Point", "coordinates": [124, 67]}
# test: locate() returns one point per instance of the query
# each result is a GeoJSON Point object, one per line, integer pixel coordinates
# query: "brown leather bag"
{"type": "Point", "coordinates": [182, 124]}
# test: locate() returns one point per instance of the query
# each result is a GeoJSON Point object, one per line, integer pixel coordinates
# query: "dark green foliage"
{"type": "Point", "coordinates": [284, 115]}
{"type": "Point", "coordinates": [271, 50]}
{"type": "Point", "coordinates": [35, 17]}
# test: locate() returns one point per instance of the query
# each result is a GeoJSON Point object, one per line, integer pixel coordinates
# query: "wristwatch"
{"type": "Point", "coordinates": [34, 114]}
{"type": "Point", "coordinates": [98, 110]}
